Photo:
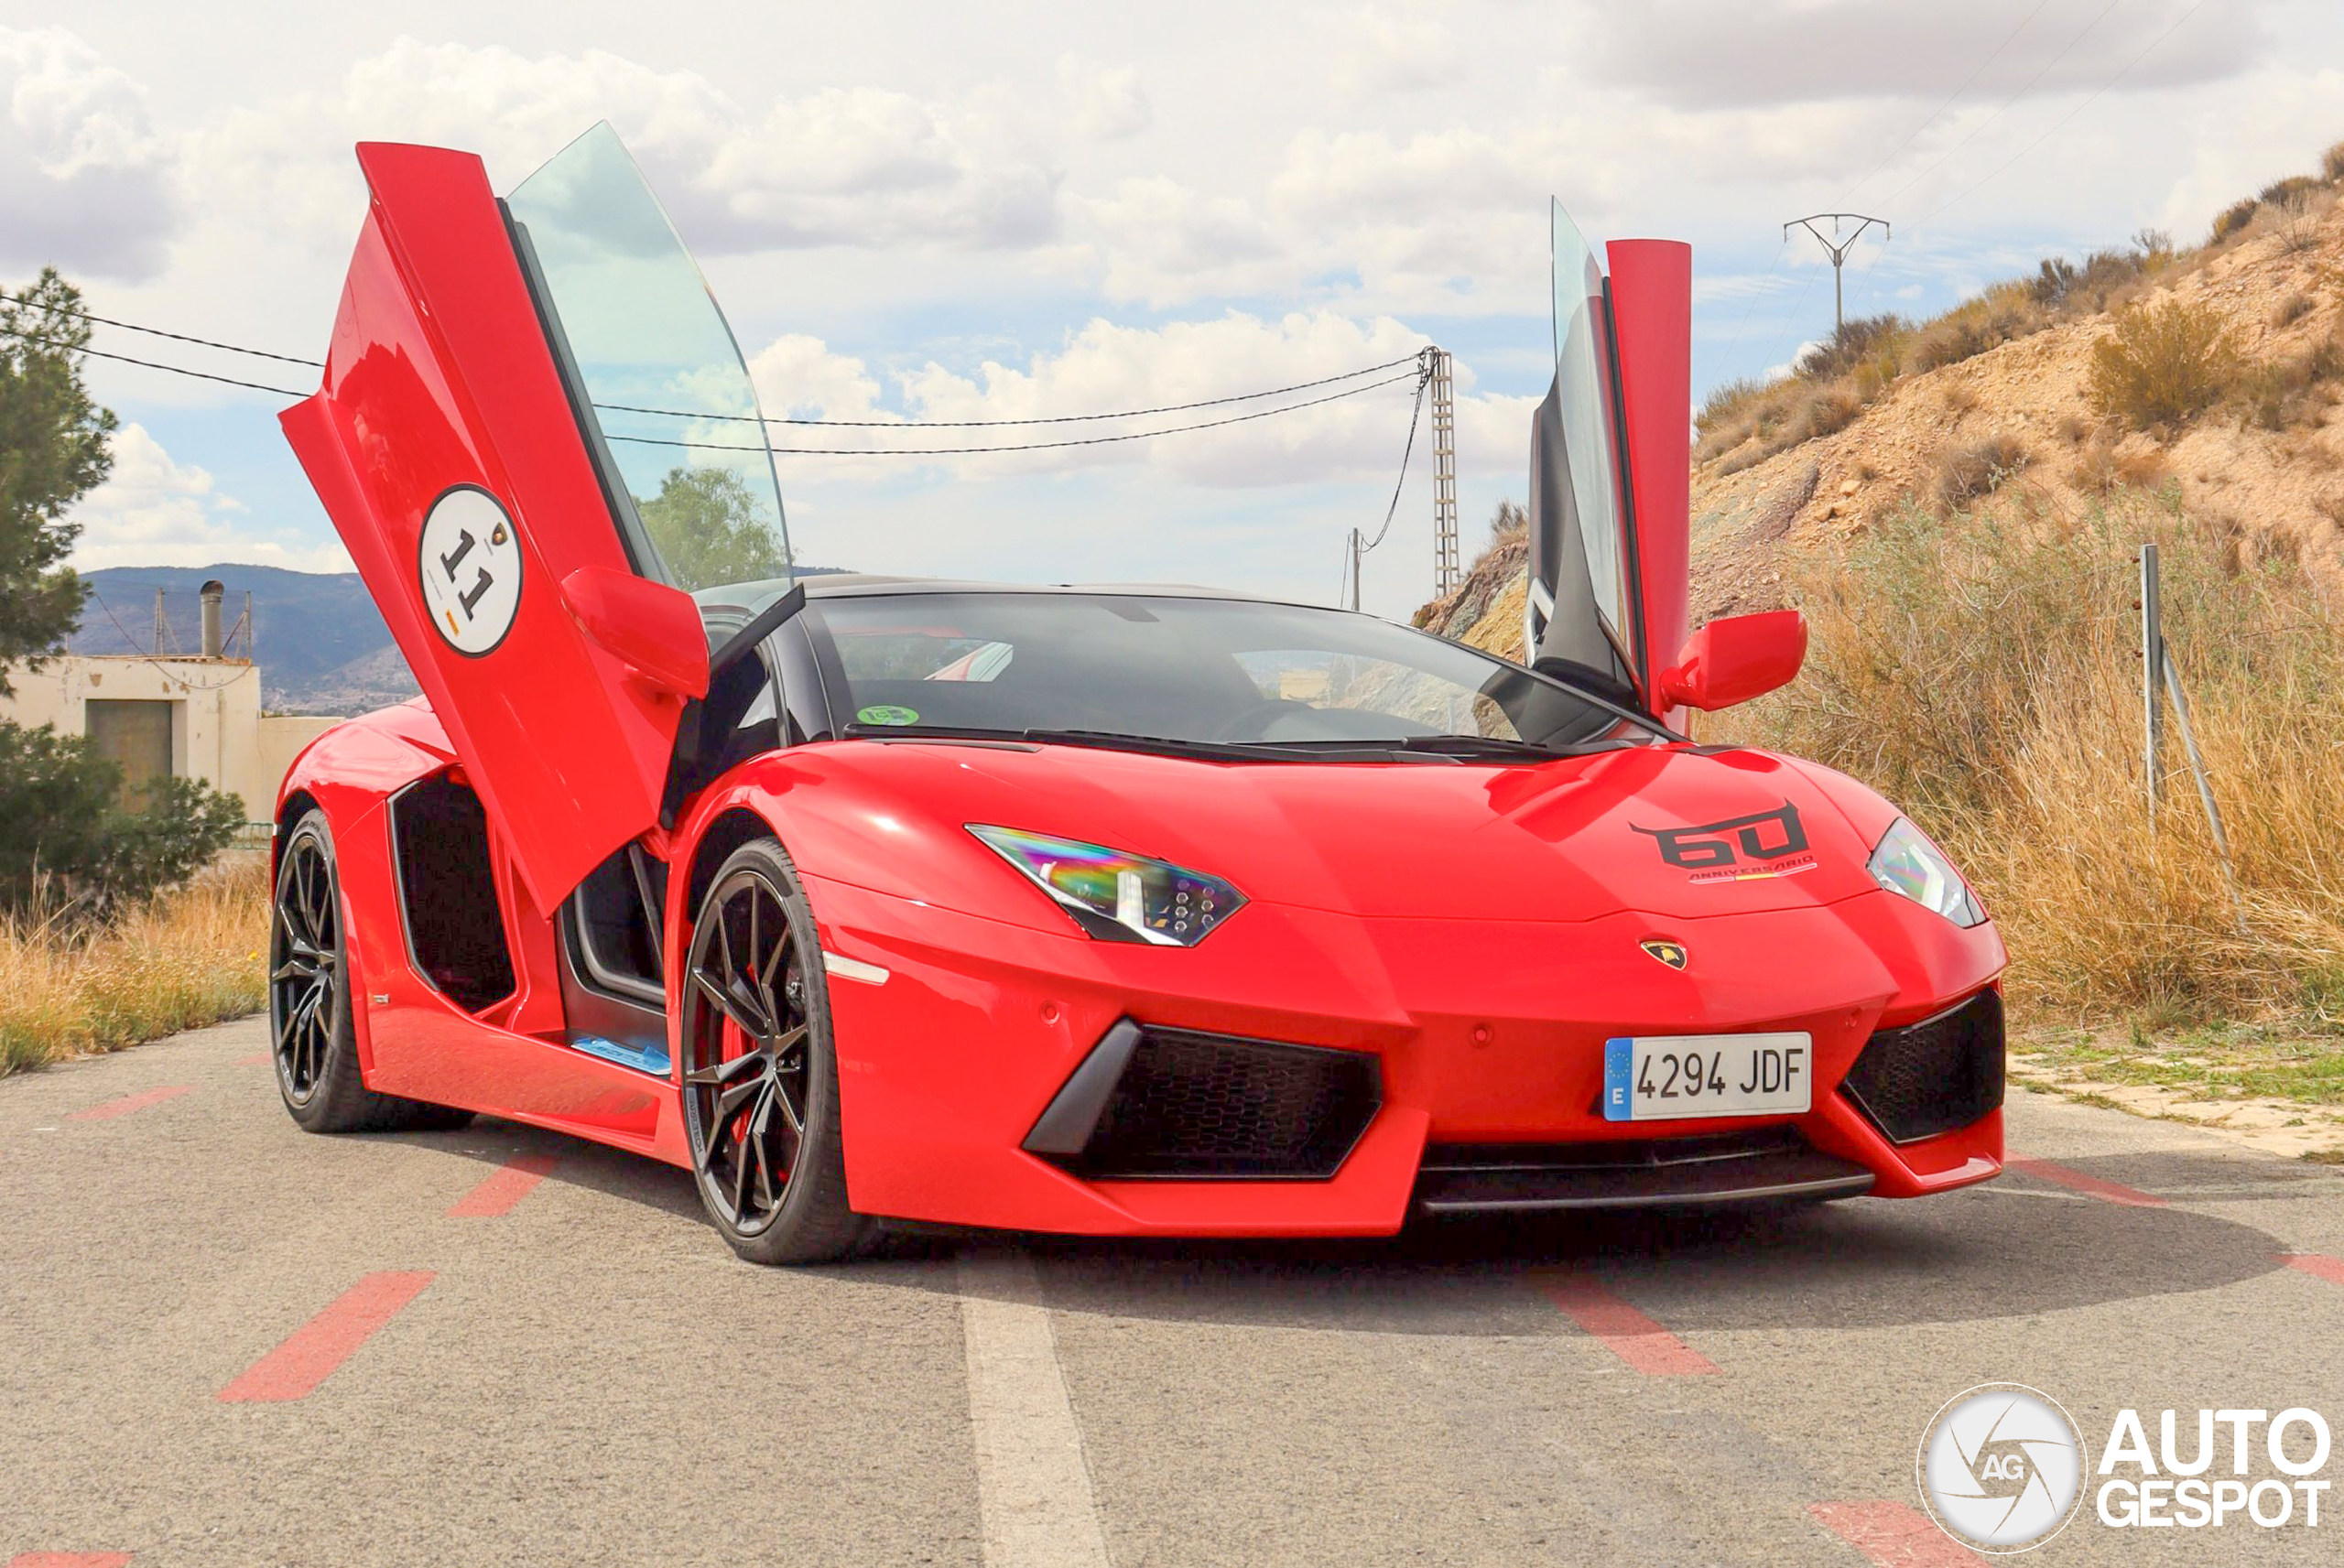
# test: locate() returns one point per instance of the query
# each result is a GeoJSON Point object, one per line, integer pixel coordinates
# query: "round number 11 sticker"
{"type": "Point", "coordinates": [470, 564]}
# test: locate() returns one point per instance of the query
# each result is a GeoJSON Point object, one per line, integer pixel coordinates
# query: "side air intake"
{"type": "Point", "coordinates": [1932, 1076]}
{"type": "Point", "coordinates": [1173, 1103]}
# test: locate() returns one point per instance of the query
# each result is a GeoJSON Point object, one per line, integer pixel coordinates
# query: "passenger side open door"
{"type": "Point", "coordinates": [1609, 475]}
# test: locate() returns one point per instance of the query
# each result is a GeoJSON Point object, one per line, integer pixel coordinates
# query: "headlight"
{"type": "Point", "coordinates": [1115, 896]}
{"type": "Point", "coordinates": [1908, 863]}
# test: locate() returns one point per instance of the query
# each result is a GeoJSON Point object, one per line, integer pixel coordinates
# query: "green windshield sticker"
{"type": "Point", "coordinates": [888, 715]}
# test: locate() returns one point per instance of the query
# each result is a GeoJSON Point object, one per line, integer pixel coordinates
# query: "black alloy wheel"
{"type": "Point", "coordinates": [310, 1000]}
{"type": "Point", "coordinates": [760, 1083]}
{"type": "Point", "coordinates": [305, 1000]}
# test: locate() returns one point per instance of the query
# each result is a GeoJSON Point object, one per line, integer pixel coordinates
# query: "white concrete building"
{"type": "Point", "coordinates": [183, 716]}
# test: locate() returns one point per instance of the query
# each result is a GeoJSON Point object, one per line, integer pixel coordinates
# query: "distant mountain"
{"type": "Point", "coordinates": [320, 644]}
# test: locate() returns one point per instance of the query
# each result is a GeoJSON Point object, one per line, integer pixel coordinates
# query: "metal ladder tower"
{"type": "Point", "coordinates": [1447, 573]}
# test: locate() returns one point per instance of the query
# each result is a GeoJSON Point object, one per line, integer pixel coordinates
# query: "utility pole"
{"type": "Point", "coordinates": [1838, 252]}
{"type": "Point", "coordinates": [162, 623]}
{"type": "Point", "coordinates": [1356, 542]}
{"type": "Point", "coordinates": [1446, 572]}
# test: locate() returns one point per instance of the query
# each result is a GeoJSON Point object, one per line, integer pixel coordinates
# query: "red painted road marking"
{"type": "Point", "coordinates": [1625, 1332]}
{"type": "Point", "coordinates": [2316, 1265]}
{"type": "Point", "coordinates": [511, 1183]}
{"type": "Point", "coordinates": [2091, 1186]}
{"type": "Point", "coordinates": [129, 1103]}
{"type": "Point", "coordinates": [1893, 1535]}
{"type": "Point", "coordinates": [68, 1560]}
{"type": "Point", "coordinates": [256, 1058]}
{"type": "Point", "coordinates": [326, 1341]}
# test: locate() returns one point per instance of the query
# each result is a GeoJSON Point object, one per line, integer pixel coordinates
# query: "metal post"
{"type": "Point", "coordinates": [1447, 573]}
{"type": "Point", "coordinates": [2152, 657]}
{"type": "Point", "coordinates": [1355, 555]}
{"type": "Point", "coordinates": [1838, 252]}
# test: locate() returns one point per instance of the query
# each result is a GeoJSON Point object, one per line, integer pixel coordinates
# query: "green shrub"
{"type": "Point", "coordinates": [2161, 363]}
{"type": "Point", "coordinates": [63, 829]}
{"type": "Point", "coordinates": [2233, 218]}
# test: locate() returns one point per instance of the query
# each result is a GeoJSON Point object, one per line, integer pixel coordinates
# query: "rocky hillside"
{"type": "Point", "coordinates": [2025, 421]}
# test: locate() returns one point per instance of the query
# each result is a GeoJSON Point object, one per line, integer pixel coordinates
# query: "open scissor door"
{"type": "Point", "coordinates": [1607, 466]}
{"type": "Point", "coordinates": [457, 446]}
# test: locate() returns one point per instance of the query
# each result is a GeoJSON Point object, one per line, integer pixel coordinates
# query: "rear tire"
{"type": "Point", "coordinates": [310, 1001]}
{"type": "Point", "coordinates": [760, 1071]}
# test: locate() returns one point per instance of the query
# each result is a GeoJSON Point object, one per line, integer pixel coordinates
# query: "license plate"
{"type": "Point", "coordinates": [1670, 1078]}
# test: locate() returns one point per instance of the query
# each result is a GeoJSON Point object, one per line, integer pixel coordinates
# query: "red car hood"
{"type": "Point", "coordinates": [1570, 839]}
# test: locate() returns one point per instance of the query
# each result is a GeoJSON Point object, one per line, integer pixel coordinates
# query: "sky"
{"type": "Point", "coordinates": [1021, 209]}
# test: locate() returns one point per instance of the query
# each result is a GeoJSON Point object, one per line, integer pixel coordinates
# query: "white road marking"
{"type": "Point", "coordinates": [1033, 1488]}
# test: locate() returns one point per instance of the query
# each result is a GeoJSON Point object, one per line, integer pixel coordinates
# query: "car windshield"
{"type": "Point", "coordinates": [668, 406]}
{"type": "Point", "coordinates": [1187, 670]}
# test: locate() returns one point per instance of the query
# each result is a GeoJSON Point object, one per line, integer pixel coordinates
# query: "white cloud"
{"type": "Point", "coordinates": [859, 165]}
{"type": "Point", "coordinates": [1105, 103]}
{"type": "Point", "coordinates": [1697, 54]}
{"type": "Point", "coordinates": [84, 182]}
{"type": "Point", "coordinates": [1388, 53]}
{"type": "Point", "coordinates": [154, 511]}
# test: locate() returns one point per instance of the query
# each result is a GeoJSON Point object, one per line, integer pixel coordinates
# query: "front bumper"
{"type": "Point", "coordinates": [1486, 1032]}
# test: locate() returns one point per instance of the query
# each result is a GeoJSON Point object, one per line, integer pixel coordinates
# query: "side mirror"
{"type": "Point", "coordinates": [652, 629]}
{"type": "Point", "coordinates": [1734, 659]}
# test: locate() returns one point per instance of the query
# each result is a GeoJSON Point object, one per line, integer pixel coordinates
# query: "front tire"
{"type": "Point", "coordinates": [760, 1071]}
{"type": "Point", "coordinates": [310, 1000]}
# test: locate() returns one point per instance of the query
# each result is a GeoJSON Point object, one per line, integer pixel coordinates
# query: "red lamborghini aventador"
{"type": "Point", "coordinates": [1108, 910]}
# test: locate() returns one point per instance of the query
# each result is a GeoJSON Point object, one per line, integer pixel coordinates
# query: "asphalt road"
{"type": "Point", "coordinates": [223, 1341]}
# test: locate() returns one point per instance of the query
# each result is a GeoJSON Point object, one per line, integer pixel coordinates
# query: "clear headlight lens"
{"type": "Point", "coordinates": [1115, 896]}
{"type": "Point", "coordinates": [1908, 863]}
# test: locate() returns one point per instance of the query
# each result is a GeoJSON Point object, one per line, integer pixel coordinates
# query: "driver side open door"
{"type": "Point", "coordinates": [456, 445]}
{"type": "Point", "coordinates": [1609, 467]}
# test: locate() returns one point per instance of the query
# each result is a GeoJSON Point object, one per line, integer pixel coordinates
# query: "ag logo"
{"type": "Point", "coordinates": [1670, 953]}
{"type": "Point", "coordinates": [1769, 844]}
{"type": "Point", "coordinates": [468, 564]}
{"type": "Point", "coordinates": [2002, 1468]}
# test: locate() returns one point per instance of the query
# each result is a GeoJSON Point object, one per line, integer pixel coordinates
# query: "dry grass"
{"type": "Point", "coordinates": [190, 958]}
{"type": "Point", "coordinates": [1984, 673]}
{"type": "Point", "coordinates": [1968, 474]}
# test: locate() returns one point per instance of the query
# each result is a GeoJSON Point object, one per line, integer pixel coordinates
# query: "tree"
{"type": "Point", "coordinates": [711, 528]}
{"type": "Point", "coordinates": [62, 812]}
{"type": "Point", "coordinates": [52, 452]}
{"type": "Point", "coordinates": [61, 818]}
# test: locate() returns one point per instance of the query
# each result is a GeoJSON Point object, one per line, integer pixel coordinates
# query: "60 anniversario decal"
{"type": "Point", "coordinates": [1738, 848]}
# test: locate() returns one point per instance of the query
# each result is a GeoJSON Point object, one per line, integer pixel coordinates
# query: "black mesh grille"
{"type": "Point", "coordinates": [1205, 1105]}
{"type": "Point", "coordinates": [1935, 1076]}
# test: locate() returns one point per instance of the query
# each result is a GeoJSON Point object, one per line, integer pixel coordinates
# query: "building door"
{"type": "Point", "coordinates": [134, 736]}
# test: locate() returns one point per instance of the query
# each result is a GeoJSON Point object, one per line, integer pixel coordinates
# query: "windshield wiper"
{"type": "Point", "coordinates": [1452, 748]}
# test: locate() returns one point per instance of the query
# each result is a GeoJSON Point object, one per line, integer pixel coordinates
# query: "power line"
{"type": "Point", "coordinates": [990, 424]}
{"type": "Point", "coordinates": [688, 413]}
{"type": "Point", "coordinates": [150, 364]}
{"type": "Point", "coordinates": [1950, 98]}
{"type": "Point", "coordinates": [1424, 379]}
{"type": "Point", "coordinates": [834, 451]}
{"type": "Point", "coordinates": [1025, 447]}
{"type": "Point", "coordinates": [2126, 69]}
{"type": "Point", "coordinates": [38, 303]}
{"type": "Point", "coordinates": [2024, 89]}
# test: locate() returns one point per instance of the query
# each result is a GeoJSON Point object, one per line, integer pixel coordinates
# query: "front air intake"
{"type": "Point", "coordinates": [1156, 1103]}
{"type": "Point", "coordinates": [1932, 1076]}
